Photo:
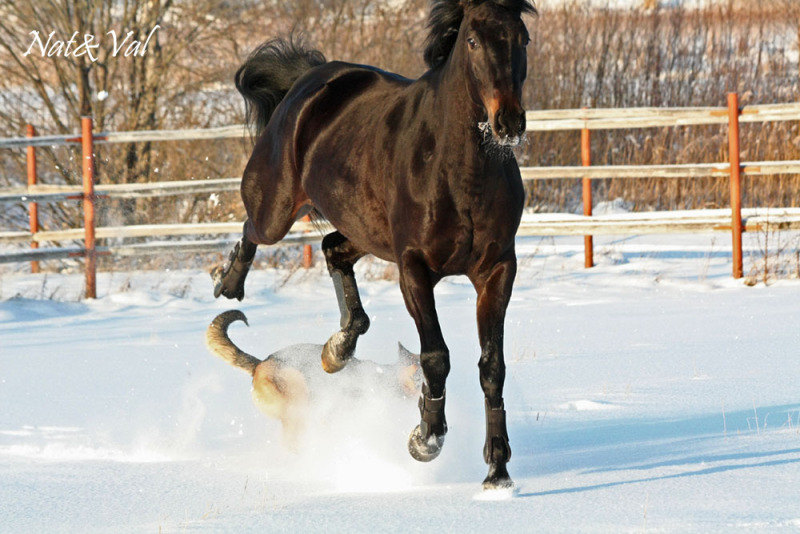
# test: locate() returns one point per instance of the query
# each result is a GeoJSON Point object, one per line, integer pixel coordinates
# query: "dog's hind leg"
{"type": "Point", "coordinates": [281, 392]}
{"type": "Point", "coordinates": [341, 255]}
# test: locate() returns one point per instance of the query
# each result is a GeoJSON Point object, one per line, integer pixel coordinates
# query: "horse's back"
{"type": "Point", "coordinates": [325, 89]}
{"type": "Point", "coordinates": [309, 117]}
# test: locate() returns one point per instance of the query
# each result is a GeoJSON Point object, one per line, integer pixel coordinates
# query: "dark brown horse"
{"type": "Point", "coordinates": [417, 172]}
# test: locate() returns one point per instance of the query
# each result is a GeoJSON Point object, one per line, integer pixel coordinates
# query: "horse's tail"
{"type": "Point", "coordinates": [220, 344]}
{"type": "Point", "coordinates": [268, 74]}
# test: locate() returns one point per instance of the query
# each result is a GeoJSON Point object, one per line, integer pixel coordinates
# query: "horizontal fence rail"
{"type": "Point", "coordinates": [546, 120]}
{"type": "Point", "coordinates": [692, 170]}
{"type": "Point", "coordinates": [142, 249]}
{"type": "Point", "coordinates": [146, 230]}
{"type": "Point", "coordinates": [630, 118]}
{"type": "Point", "coordinates": [223, 132]}
{"type": "Point", "coordinates": [754, 220]}
{"type": "Point", "coordinates": [736, 220]}
{"type": "Point", "coordinates": [58, 193]}
{"type": "Point", "coordinates": [532, 224]}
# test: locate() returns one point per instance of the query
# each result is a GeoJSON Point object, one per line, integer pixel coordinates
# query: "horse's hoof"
{"type": "Point", "coordinates": [424, 449]}
{"type": "Point", "coordinates": [332, 359]}
{"type": "Point", "coordinates": [224, 286]}
{"type": "Point", "coordinates": [499, 484]}
{"type": "Point", "coordinates": [498, 479]}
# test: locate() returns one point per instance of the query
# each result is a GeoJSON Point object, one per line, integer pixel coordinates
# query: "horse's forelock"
{"type": "Point", "coordinates": [445, 20]}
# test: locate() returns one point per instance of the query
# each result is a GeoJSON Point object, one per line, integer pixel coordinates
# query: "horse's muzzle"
{"type": "Point", "coordinates": [509, 126]}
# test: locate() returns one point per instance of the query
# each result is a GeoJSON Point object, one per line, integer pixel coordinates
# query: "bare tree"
{"type": "Point", "coordinates": [655, 53]}
{"type": "Point", "coordinates": [120, 91]}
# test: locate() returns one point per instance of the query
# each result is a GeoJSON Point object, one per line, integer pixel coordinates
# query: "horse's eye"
{"type": "Point", "coordinates": [471, 42]}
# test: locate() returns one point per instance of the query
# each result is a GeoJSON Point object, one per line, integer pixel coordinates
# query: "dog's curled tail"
{"type": "Point", "coordinates": [220, 344]}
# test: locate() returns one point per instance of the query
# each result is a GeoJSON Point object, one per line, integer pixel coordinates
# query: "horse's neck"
{"type": "Point", "coordinates": [460, 116]}
{"type": "Point", "coordinates": [454, 98]}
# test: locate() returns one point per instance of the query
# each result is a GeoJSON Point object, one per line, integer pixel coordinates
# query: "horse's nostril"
{"type": "Point", "coordinates": [510, 124]}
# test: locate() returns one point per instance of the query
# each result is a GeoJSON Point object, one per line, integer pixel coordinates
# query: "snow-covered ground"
{"type": "Point", "coordinates": [653, 392]}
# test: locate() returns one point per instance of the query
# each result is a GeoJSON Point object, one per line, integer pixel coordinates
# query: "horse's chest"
{"type": "Point", "coordinates": [450, 251]}
{"type": "Point", "coordinates": [459, 237]}
{"type": "Point", "coordinates": [454, 218]}
{"type": "Point", "coordinates": [486, 226]}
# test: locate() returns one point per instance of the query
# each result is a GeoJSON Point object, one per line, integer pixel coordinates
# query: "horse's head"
{"type": "Point", "coordinates": [494, 38]}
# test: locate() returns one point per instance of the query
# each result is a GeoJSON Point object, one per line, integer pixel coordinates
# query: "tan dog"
{"type": "Point", "coordinates": [286, 381]}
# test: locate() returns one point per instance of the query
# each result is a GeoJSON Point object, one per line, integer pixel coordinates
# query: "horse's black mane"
{"type": "Point", "coordinates": [445, 19]}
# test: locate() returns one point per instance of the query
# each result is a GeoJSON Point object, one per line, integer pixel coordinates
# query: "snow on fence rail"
{"type": "Point", "coordinates": [532, 224]}
{"type": "Point", "coordinates": [734, 220]}
{"type": "Point", "coordinates": [615, 118]}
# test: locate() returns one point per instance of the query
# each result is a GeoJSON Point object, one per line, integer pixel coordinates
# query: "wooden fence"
{"type": "Point", "coordinates": [735, 220]}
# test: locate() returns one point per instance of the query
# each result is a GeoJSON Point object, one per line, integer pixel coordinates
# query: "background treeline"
{"type": "Point", "coordinates": [580, 55]}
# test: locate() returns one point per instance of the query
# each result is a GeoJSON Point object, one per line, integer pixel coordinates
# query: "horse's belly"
{"type": "Point", "coordinates": [355, 212]}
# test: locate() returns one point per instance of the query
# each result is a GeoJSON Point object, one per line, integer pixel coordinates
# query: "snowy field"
{"type": "Point", "coordinates": [652, 393]}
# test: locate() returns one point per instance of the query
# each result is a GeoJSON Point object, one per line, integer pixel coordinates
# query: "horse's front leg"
{"type": "Point", "coordinates": [341, 255]}
{"type": "Point", "coordinates": [494, 291]}
{"type": "Point", "coordinates": [416, 284]}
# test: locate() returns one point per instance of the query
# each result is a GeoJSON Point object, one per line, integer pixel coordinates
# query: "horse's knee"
{"type": "Point", "coordinates": [331, 242]}
{"type": "Point", "coordinates": [340, 253]}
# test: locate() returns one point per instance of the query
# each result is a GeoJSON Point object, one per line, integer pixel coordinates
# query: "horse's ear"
{"type": "Point", "coordinates": [523, 6]}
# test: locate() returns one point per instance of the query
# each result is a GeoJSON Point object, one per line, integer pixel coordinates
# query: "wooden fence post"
{"type": "Point", "coordinates": [87, 149]}
{"type": "Point", "coordinates": [586, 160]}
{"type": "Point", "coordinates": [308, 256]}
{"type": "Point", "coordinates": [736, 184]}
{"type": "Point", "coordinates": [33, 207]}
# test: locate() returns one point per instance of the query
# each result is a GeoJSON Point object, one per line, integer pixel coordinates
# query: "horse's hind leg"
{"type": "Point", "coordinates": [229, 280]}
{"type": "Point", "coordinates": [272, 207]}
{"type": "Point", "coordinates": [341, 255]}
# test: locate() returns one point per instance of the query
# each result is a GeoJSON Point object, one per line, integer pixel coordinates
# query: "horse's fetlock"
{"type": "Point", "coordinates": [497, 450]}
{"type": "Point", "coordinates": [436, 362]}
{"type": "Point", "coordinates": [359, 323]}
{"type": "Point", "coordinates": [432, 419]}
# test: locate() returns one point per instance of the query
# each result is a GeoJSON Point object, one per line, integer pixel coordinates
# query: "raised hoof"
{"type": "Point", "coordinates": [498, 479]}
{"type": "Point", "coordinates": [334, 353]}
{"type": "Point", "coordinates": [226, 284]}
{"type": "Point", "coordinates": [424, 449]}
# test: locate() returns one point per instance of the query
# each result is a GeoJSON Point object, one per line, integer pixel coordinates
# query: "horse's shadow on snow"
{"type": "Point", "coordinates": [652, 445]}
{"type": "Point", "coordinates": [691, 473]}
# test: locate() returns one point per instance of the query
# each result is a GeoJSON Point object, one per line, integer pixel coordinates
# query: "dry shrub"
{"type": "Point", "coordinates": [580, 55]}
{"type": "Point", "coordinates": [676, 57]}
